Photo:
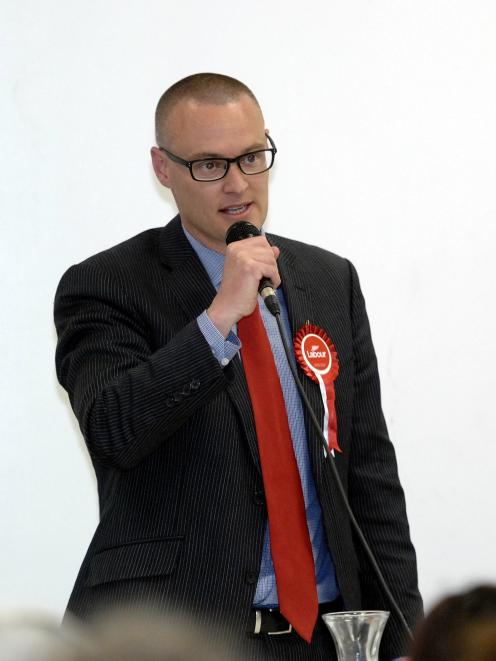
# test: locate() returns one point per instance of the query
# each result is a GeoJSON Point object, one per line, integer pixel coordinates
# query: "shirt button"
{"type": "Point", "coordinates": [224, 361]}
{"type": "Point", "coordinates": [251, 577]}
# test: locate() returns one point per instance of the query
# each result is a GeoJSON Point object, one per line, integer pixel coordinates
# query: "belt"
{"type": "Point", "coordinates": [271, 621]}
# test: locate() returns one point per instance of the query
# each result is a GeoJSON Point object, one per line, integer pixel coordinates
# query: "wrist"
{"type": "Point", "coordinates": [221, 319]}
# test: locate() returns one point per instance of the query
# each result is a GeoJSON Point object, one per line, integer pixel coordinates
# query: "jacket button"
{"type": "Point", "coordinates": [259, 498]}
{"type": "Point", "coordinates": [186, 390]}
{"type": "Point", "coordinates": [229, 372]}
{"type": "Point", "coordinates": [169, 402]}
{"type": "Point", "coordinates": [177, 396]}
{"type": "Point", "coordinates": [195, 384]}
{"type": "Point", "coordinates": [251, 577]}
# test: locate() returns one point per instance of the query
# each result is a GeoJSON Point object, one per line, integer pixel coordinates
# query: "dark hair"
{"type": "Point", "coordinates": [213, 88]}
{"type": "Point", "coordinates": [446, 633]}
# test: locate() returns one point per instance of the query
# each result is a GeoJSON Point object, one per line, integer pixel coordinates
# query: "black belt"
{"type": "Point", "coordinates": [270, 620]}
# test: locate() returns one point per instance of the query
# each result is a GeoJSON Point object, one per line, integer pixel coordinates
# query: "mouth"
{"type": "Point", "coordinates": [237, 210]}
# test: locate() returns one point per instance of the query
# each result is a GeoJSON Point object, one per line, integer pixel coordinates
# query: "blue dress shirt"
{"type": "Point", "coordinates": [224, 350]}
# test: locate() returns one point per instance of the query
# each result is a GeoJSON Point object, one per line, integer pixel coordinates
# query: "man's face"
{"type": "Point", "coordinates": [195, 130]}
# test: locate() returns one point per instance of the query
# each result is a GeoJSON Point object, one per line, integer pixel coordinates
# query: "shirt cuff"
{"type": "Point", "coordinates": [224, 349]}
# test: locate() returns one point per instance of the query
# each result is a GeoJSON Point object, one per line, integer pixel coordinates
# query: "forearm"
{"type": "Point", "coordinates": [128, 395]}
{"type": "Point", "coordinates": [131, 416]}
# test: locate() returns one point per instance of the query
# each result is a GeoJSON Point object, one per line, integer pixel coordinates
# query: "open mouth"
{"type": "Point", "coordinates": [237, 210]}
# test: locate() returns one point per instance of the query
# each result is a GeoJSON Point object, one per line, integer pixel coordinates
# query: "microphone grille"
{"type": "Point", "coordinates": [241, 230]}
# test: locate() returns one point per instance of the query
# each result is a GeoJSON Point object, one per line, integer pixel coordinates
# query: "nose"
{"type": "Point", "coordinates": [234, 181]}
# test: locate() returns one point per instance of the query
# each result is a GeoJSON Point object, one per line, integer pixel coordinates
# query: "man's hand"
{"type": "Point", "coordinates": [246, 263]}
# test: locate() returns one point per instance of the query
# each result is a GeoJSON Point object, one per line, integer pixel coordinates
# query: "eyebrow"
{"type": "Point", "coordinates": [257, 146]}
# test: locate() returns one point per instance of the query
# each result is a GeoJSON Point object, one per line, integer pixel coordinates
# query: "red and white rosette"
{"type": "Point", "coordinates": [318, 358]}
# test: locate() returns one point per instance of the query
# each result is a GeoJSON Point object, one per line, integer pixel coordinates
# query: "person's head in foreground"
{"type": "Point", "coordinates": [461, 627]}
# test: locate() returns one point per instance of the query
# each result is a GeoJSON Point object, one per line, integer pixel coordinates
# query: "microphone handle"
{"type": "Point", "coordinates": [245, 230]}
{"type": "Point", "coordinates": [266, 291]}
{"type": "Point", "coordinates": [265, 284]}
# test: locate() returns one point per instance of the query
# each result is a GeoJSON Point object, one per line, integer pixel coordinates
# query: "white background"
{"type": "Point", "coordinates": [384, 116]}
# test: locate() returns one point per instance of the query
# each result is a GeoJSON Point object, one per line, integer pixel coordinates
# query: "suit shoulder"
{"type": "Point", "coordinates": [313, 255]}
{"type": "Point", "coordinates": [129, 252]}
{"type": "Point", "coordinates": [125, 258]}
{"type": "Point", "coordinates": [114, 272]}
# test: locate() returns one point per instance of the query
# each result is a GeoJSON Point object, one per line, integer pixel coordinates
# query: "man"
{"type": "Point", "coordinates": [168, 401]}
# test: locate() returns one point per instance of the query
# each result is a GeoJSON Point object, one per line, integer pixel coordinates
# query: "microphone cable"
{"type": "Point", "coordinates": [331, 463]}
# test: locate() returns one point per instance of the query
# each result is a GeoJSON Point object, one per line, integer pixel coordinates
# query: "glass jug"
{"type": "Point", "coordinates": [357, 634]}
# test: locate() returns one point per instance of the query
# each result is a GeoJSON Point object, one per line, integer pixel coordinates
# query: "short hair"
{"type": "Point", "coordinates": [212, 88]}
{"type": "Point", "coordinates": [446, 633]}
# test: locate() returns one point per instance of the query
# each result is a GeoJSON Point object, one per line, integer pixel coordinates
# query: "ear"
{"type": "Point", "coordinates": [160, 164]}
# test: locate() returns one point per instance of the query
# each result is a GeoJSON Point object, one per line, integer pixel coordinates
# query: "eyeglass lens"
{"type": "Point", "coordinates": [215, 168]}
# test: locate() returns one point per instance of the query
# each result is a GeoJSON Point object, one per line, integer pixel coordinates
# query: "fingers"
{"type": "Point", "coordinates": [255, 257]}
{"type": "Point", "coordinates": [246, 263]}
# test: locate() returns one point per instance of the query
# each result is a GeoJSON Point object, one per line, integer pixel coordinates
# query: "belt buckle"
{"type": "Point", "coordinates": [280, 633]}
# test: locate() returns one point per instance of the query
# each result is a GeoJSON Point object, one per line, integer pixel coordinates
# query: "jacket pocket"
{"type": "Point", "coordinates": [138, 559]}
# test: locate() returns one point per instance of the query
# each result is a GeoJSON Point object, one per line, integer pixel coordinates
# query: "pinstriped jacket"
{"type": "Point", "coordinates": [172, 440]}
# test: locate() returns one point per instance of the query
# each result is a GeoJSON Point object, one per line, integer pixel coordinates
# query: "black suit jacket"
{"type": "Point", "coordinates": [172, 439]}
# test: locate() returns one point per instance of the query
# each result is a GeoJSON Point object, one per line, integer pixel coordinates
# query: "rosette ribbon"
{"type": "Point", "coordinates": [318, 359]}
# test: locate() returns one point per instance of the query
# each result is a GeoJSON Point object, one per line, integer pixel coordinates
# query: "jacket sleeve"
{"type": "Point", "coordinates": [375, 492]}
{"type": "Point", "coordinates": [127, 399]}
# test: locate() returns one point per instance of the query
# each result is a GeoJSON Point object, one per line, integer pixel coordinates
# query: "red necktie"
{"type": "Point", "coordinates": [289, 539]}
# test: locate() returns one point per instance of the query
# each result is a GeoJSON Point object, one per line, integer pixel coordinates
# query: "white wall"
{"type": "Point", "coordinates": [392, 104]}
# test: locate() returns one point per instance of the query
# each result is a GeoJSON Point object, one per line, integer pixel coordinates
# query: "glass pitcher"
{"type": "Point", "coordinates": [357, 634]}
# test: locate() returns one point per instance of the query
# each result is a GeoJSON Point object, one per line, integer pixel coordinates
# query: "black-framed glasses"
{"type": "Point", "coordinates": [211, 169]}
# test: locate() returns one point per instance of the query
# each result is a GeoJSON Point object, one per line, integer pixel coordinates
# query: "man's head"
{"type": "Point", "coordinates": [211, 115]}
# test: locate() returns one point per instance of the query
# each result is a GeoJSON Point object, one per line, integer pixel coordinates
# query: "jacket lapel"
{"type": "Point", "coordinates": [238, 392]}
{"type": "Point", "coordinates": [186, 276]}
{"type": "Point", "coordinates": [301, 304]}
{"type": "Point", "coordinates": [194, 292]}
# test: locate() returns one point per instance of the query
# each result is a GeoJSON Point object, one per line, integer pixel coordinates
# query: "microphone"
{"type": "Point", "coordinates": [245, 230]}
